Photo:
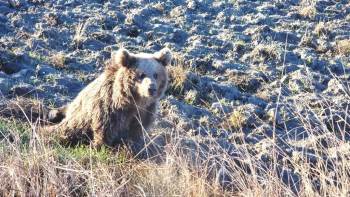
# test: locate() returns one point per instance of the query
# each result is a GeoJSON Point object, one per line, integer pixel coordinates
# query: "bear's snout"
{"type": "Point", "coordinates": [152, 89]}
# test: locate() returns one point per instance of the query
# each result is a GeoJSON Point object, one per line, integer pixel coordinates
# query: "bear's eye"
{"type": "Point", "coordinates": [142, 76]}
{"type": "Point", "coordinates": [155, 75]}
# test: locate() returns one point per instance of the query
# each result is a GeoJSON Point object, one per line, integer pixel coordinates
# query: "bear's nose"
{"type": "Point", "coordinates": [152, 90]}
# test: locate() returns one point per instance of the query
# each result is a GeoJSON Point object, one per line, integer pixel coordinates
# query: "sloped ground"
{"type": "Point", "coordinates": [259, 94]}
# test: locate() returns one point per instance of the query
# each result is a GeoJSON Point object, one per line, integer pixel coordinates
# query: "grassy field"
{"type": "Point", "coordinates": [257, 103]}
{"type": "Point", "coordinates": [31, 166]}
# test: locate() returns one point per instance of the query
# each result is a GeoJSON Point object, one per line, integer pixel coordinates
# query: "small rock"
{"type": "Point", "coordinates": [337, 68]}
{"type": "Point", "coordinates": [319, 65]}
{"type": "Point", "coordinates": [23, 75]}
{"type": "Point", "coordinates": [5, 85]}
{"type": "Point", "coordinates": [179, 37]}
{"type": "Point", "coordinates": [289, 37]}
{"type": "Point", "coordinates": [9, 62]}
{"type": "Point", "coordinates": [93, 44]}
{"type": "Point", "coordinates": [54, 89]}
{"type": "Point", "coordinates": [289, 68]}
{"type": "Point", "coordinates": [227, 65]}
{"type": "Point", "coordinates": [291, 57]}
{"type": "Point", "coordinates": [264, 33]}
{"type": "Point", "coordinates": [76, 63]}
{"type": "Point", "coordinates": [129, 30]}
{"type": "Point", "coordinates": [73, 85]}
{"type": "Point", "coordinates": [227, 91]}
{"type": "Point", "coordinates": [219, 107]}
{"type": "Point", "coordinates": [5, 9]}
{"type": "Point", "coordinates": [111, 22]}
{"type": "Point", "coordinates": [257, 101]}
{"type": "Point", "coordinates": [22, 89]}
{"type": "Point", "coordinates": [10, 67]}
{"type": "Point", "coordinates": [104, 37]}
{"type": "Point", "coordinates": [44, 70]}
{"type": "Point", "coordinates": [140, 19]}
{"type": "Point", "coordinates": [191, 4]}
{"type": "Point", "coordinates": [162, 28]}
{"type": "Point", "coordinates": [17, 3]}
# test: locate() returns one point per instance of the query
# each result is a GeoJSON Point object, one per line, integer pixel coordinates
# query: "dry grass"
{"type": "Point", "coordinates": [30, 166]}
{"type": "Point", "coordinates": [265, 52]}
{"type": "Point", "coordinates": [178, 75]}
{"type": "Point", "coordinates": [321, 29]}
{"type": "Point", "coordinates": [308, 11]}
{"type": "Point", "coordinates": [79, 36]}
{"type": "Point", "coordinates": [59, 60]}
{"type": "Point", "coordinates": [343, 47]}
{"type": "Point", "coordinates": [235, 120]}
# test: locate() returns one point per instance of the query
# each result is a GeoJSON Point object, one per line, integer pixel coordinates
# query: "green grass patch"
{"type": "Point", "coordinates": [37, 56]}
{"type": "Point", "coordinates": [85, 154]}
{"type": "Point", "coordinates": [19, 132]}
{"type": "Point", "coordinates": [12, 129]}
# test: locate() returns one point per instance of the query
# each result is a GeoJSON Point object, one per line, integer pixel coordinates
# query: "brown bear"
{"type": "Point", "coordinates": [118, 105]}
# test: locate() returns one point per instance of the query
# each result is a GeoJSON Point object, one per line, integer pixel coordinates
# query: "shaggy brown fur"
{"type": "Point", "coordinates": [120, 104]}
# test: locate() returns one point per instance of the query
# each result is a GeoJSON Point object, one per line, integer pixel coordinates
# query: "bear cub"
{"type": "Point", "coordinates": [119, 105]}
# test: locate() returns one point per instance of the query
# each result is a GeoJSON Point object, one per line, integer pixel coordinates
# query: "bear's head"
{"type": "Point", "coordinates": [142, 76]}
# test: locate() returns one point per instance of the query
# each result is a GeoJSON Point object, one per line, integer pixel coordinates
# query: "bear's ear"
{"type": "Point", "coordinates": [122, 57]}
{"type": "Point", "coordinates": [163, 56]}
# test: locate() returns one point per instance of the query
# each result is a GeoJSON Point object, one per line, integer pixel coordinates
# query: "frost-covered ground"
{"type": "Point", "coordinates": [267, 82]}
